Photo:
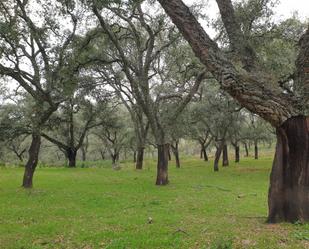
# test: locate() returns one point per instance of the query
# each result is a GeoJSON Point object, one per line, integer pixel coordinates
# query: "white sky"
{"type": "Point", "coordinates": [283, 10]}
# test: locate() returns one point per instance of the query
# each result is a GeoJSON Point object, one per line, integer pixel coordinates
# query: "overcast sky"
{"type": "Point", "coordinates": [285, 9]}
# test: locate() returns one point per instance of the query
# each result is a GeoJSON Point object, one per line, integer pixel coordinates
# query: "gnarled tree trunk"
{"type": "Point", "coordinates": [162, 165]}
{"type": "Point", "coordinates": [32, 161]}
{"type": "Point", "coordinates": [288, 197]}
{"type": "Point", "coordinates": [139, 158]}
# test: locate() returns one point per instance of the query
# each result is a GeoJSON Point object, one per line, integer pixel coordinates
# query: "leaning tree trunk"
{"type": "Point", "coordinates": [288, 198]}
{"type": "Point", "coordinates": [139, 158]}
{"type": "Point", "coordinates": [176, 154]}
{"type": "Point", "coordinates": [71, 155]}
{"type": "Point", "coordinates": [162, 165]}
{"type": "Point", "coordinates": [217, 157]}
{"type": "Point", "coordinates": [32, 161]}
{"type": "Point", "coordinates": [225, 159]}
{"type": "Point", "coordinates": [256, 150]}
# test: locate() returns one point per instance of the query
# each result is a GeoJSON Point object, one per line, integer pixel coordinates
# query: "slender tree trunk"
{"type": "Point", "coordinates": [115, 158]}
{"type": "Point", "coordinates": [169, 153]}
{"type": "Point", "coordinates": [176, 154]}
{"type": "Point", "coordinates": [140, 158]}
{"type": "Point", "coordinates": [201, 153]}
{"type": "Point", "coordinates": [225, 159]}
{"type": "Point", "coordinates": [34, 151]}
{"type": "Point", "coordinates": [288, 198]}
{"type": "Point", "coordinates": [204, 153]}
{"type": "Point", "coordinates": [71, 154]}
{"type": "Point", "coordinates": [237, 156]}
{"type": "Point", "coordinates": [134, 156]}
{"type": "Point", "coordinates": [217, 157]}
{"type": "Point", "coordinates": [102, 154]}
{"type": "Point", "coordinates": [256, 150]}
{"type": "Point", "coordinates": [162, 166]}
{"type": "Point", "coordinates": [246, 149]}
{"type": "Point", "coordinates": [84, 154]}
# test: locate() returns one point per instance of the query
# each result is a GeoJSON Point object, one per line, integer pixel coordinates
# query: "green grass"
{"type": "Point", "coordinates": [97, 207]}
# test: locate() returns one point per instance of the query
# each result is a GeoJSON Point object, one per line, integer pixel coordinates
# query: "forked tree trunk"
{"type": "Point", "coordinates": [32, 161]}
{"type": "Point", "coordinates": [217, 157]}
{"type": "Point", "coordinates": [204, 153]}
{"type": "Point", "coordinates": [288, 198]}
{"type": "Point", "coordinates": [256, 150]}
{"type": "Point", "coordinates": [140, 158]}
{"type": "Point", "coordinates": [225, 159]}
{"type": "Point", "coordinates": [237, 156]}
{"type": "Point", "coordinates": [71, 155]}
{"type": "Point", "coordinates": [162, 165]}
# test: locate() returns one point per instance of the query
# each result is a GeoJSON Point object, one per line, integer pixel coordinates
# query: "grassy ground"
{"type": "Point", "coordinates": [100, 208]}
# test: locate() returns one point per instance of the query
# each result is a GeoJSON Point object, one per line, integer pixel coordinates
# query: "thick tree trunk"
{"type": "Point", "coordinates": [217, 157]}
{"type": "Point", "coordinates": [32, 161]}
{"type": "Point", "coordinates": [237, 156]}
{"type": "Point", "coordinates": [256, 150]}
{"type": "Point", "coordinates": [140, 158]}
{"type": "Point", "coordinates": [288, 197]}
{"type": "Point", "coordinates": [225, 159]}
{"type": "Point", "coordinates": [162, 166]}
{"type": "Point", "coordinates": [201, 153]}
{"type": "Point", "coordinates": [71, 155]}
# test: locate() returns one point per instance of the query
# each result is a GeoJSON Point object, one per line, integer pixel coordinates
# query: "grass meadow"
{"type": "Point", "coordinates": [97, 207]}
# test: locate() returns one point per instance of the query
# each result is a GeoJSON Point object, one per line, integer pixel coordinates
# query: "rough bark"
{"type": "Point", "coordinates": [289, 181]}
{"type": "Point", "coordinates": [254, 93]}
{"type": "Point", "coordinates": [225, 157]}
{"type": "Point", "coordinates": [32, 161]}
{"type": "Point", "coordinates": [139, 158]}
{"type": "Point", "coordinates": [236, 37]}
{"type": "Point", "coordinates": [162, 164]}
